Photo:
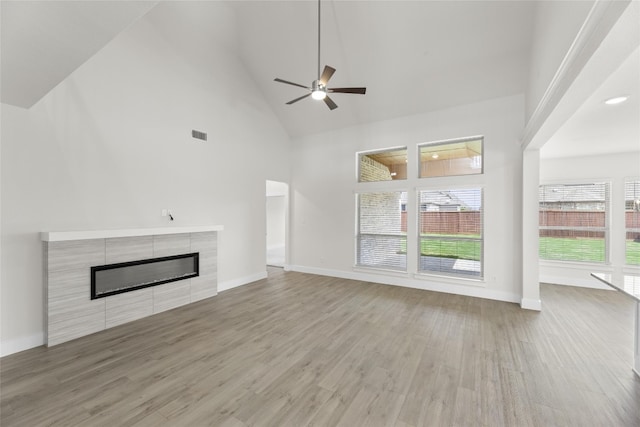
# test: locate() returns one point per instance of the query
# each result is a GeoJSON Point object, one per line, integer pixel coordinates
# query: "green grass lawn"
{"type": "Point", "coordinates": [553, 248]}
{"type": "Point", "coordinates": [461, 249]}
{"type": "Point", "coordinates": [444, 248]}
{"type": "Point", "coordinates": [590, 250]}
{"type": "Point", "coordinates": [633, 252]}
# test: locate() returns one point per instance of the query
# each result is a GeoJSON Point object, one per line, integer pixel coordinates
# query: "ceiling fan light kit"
{"type": "Point", "coordinates": [319, 89]}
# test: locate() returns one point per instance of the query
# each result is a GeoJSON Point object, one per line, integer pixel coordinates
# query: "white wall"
{"type": "Point", "coordinates": [613, 168]}
{"type": "Point", "coordinates": [555, 27]}
{"type": "Point", "coordinates": [111, 146]}
{"type": "Point", "coordinates": [324, 184]}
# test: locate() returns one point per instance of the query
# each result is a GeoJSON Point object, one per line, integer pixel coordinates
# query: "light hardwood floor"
{"type": "Point", "coordinates": [298, 349]}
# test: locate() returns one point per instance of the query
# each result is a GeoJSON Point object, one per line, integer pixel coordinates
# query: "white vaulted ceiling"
{"type": "Point", "coordinates": [413, 56]}
{"type": "Point", "coordinates": [44, 41]}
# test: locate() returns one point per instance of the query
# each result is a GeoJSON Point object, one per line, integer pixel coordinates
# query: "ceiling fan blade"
{"type": "Point", "coordinates": [290, 83]}
{"type": "Point", "coordinates": [326, 74]}
{"type": "Point", "coordinates": [358, 90]}
{"type": "Point", "coordinates": [298, 99]}
{"type": "Point", "coordinates": [332, 105]}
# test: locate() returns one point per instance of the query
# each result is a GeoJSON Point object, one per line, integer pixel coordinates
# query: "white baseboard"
{"type": "Point", "coordinates": [531, 304]}
{"type": "Point", "coordinates": [8, 347]}
{"type": "Point", "coordinates": [234, 283]}
{"type": "Point", "coordinates": [408, 282]}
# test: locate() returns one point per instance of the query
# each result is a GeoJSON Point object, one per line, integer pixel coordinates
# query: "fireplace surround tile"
{"type": "Point", "coordinates": [123, 249]}
{"type": "Point", "coordinates": [203, 286]}
{"type": "Point", "coordinates": [68, 325]}
{"type": "Point", "coordinates": [134, 305]}
{"type": "Point", "coordinates": [172, 244]}
{"type": "Point", "coordinates": [171, 295]}
{"type": "Point", "coordinates": [75, 307]}
{"type": "Point", "coordinates": [69, 283]}
{"type": "Point", "coordinates": [69, 311]}
{"type": "Point", "coordinates": [76, 254]}
{"type": "Point", "coordinates": [204, 242]}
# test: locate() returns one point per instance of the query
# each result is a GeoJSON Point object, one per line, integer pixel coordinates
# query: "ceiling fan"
{"type": "Point", "coordinates": [319, 89]}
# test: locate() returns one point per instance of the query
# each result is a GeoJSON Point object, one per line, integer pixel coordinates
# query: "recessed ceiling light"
{"type": "Point", "coordinates": [434, 156]}
{"type": "Point", "coordinates": [616, 100]}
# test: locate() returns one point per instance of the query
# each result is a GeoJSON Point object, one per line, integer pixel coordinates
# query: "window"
{"type": "Point", "coordinates": [574, 222]}
{"type": "Point", "coordinates": [451, 232]}
{"type": "Point", "coordinates": [387, 165]}
{"type": "Point", "coordinates": [449, 158]}
{"type": "Point", "coordinates": [381, 237]}
{"type": "Point", "coordinates": [632, 221]}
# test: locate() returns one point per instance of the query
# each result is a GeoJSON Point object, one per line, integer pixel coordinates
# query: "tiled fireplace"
{"type": "Point", "coordinates": [70, 311]}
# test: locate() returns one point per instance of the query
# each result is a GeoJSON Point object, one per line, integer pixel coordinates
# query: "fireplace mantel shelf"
{"type": "Point", "coordinates": [60, 236]}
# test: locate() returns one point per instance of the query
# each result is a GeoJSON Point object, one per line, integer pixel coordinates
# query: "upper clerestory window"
{"type": "Point", "coordinates": [384, 165]}
{"type": "Point", "coordinates": [451, 158]}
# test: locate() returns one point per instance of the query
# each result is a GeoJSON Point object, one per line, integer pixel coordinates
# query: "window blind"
{"type": "Point", "coordinates": [574, 222]}
{"type": "Point", "coordinates": [381, 238]}
{"type": "Point", "coordinates": [632, 221]}
{"type": "Point", "coordinates": [451, 232]}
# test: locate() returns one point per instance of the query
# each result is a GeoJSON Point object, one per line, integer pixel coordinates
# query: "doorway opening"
{"type": "Point", "coordinates": [277, 208]}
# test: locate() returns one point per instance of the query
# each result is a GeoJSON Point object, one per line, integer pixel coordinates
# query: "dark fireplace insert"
{"type": "Point", "coordinates": [122, 277]}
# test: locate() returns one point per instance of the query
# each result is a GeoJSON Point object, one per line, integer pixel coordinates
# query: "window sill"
{"type": "Point", "coordinates": [454, 280]}
{"type": "Point", "coordinates": [380, 271]}
{"type": "Point", "coordinates": [599, 266]}
{"type": "Point", "coordinates": [631, 269]}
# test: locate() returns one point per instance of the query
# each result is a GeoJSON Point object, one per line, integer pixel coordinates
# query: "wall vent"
{"type": "Point", "coordinates": [199, 135]}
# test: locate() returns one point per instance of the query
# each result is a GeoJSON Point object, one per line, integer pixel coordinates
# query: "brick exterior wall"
{"type": "Point", "coordinates": [371, 170]}
{"type": "Point", "coordinates": [380, 213]}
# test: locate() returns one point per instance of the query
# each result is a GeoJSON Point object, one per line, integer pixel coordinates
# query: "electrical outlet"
{"type": "Point", "coordinates": [164, 212]}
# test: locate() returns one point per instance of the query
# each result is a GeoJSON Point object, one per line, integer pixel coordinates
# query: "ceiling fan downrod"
{"type": "Point", "coordinates": [318, 39]}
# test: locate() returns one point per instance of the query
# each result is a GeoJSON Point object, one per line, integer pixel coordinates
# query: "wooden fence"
{"type": "Point", "coordinates": [469, 222]}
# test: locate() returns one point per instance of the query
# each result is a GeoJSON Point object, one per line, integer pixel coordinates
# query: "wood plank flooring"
{"type": "Point", "coordinates": [305, 350]}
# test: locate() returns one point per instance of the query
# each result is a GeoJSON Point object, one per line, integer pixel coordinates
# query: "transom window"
{"type": "Point", "coordinates": [385, 165]}
{"type": "Point", "coordinates": [449, 158]}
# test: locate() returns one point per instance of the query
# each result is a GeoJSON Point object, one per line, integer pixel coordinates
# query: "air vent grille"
{"type": "Point", "coordinates": [199, 135]}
